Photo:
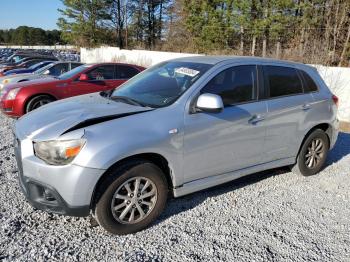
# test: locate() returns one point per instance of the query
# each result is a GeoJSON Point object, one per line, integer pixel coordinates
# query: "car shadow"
{"type": "Point", "coordinates": [188, 202]}
{"type": "Point", "coordinates": [340, 149]}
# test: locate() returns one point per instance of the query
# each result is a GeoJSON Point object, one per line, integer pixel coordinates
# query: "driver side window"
{"type": "Point", "coordinates": [235, 85]}
{"type": "Point", "coordinates": [101, 73]}
{"type": "Point", "coordinates": [58, 69]}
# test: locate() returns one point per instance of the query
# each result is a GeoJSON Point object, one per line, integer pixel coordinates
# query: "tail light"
{"type": "Point", "coordinates": [335, 100]}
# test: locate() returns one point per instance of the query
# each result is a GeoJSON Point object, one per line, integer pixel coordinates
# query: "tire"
{"type": "Point", "coordinates": [307, 163]}
{"type": "Point", "coordinates": [37, 102]}
{"type": "Point", "coordinates": [115, 185]}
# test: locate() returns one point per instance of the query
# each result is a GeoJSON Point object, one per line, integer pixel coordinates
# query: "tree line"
{"type": "Point", "coordinates": [313, 31]}
{"type": "Point", "coordinates": [25, 35]}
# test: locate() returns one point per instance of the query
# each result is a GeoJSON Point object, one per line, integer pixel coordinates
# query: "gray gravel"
{"type": "Point", "coordinates": [274, 215]}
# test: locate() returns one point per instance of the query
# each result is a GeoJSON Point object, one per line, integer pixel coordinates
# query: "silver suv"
{"type": "Point", "coordinates": [181, 126]}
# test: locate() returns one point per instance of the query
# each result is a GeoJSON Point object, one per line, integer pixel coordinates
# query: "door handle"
{"type": "Point", "coordinates": [306, 106]}
{"type": "Point", "coordinates": [255, 119]}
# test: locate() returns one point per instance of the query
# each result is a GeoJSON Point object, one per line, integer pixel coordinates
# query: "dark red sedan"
{"type": "Point", "coordinates": [21, 98]}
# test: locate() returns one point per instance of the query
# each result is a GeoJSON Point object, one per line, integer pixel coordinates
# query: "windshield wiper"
{"type": "Point", "coordinates": [128, 100]}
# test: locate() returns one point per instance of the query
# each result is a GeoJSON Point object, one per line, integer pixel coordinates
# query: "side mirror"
{"type": "Point", "coordinates": [209, 103]}
{"type": "Point", "coordinates": [83, 77]}
{"type": "Point", "coordinates": [47, 72]}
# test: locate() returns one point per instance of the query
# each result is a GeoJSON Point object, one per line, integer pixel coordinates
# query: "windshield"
{"type": "Point", "coordinates": [43, 69]}
{"type": "Point", "coordinates": [162, 84]}
{"type": "Point", "coordinates": [73, 72]}
{"type": "Point", "coordinates": [36, 65]}
{"type": "Point", "coordinates": [14, 58]}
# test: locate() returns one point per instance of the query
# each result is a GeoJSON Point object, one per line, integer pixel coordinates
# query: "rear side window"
{"type": "Point", "coordinates": [126, 72]}
{"type": "Point", "coordinates": [102, 73]}
{"type": "Point", "coordinates": [234, 85]}
{"type": "Point", "coordinates": [310, 85]}
{"type": "Point", "coordinates": [282, 81]}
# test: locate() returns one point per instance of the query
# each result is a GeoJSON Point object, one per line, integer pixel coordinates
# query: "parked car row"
{"type": "Point", "coordinates": [23, 97]}
{"type": "Point", "coordinates": [52, 69]}
{"type": "Point", "coordinates": [64, 55]}
{"type": "Point", "coordinates": [182, 126]}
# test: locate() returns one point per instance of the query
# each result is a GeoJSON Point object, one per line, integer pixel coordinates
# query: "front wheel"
{"type": "Point", "coordinates": [131, 197]}
{"type": "Point", "coordinates": [37, 102]}
{"type": "Point", "coordinates": [313, 154]}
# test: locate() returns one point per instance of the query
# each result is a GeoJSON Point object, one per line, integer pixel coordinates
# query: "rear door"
{"type": "Point", "coordinates": [124, 73]}
{"type": "Point", "coordinates": [288, 109]}
{"type": "Point", "coordinates": [100, 78]}
{"type": "Point", "coordinates": [74, 65]}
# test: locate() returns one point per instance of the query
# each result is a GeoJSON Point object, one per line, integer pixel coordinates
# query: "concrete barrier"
{"type": "Point", "coordinates": [139, 57]}
{"type": "Point", "coordinates": [338, 80]}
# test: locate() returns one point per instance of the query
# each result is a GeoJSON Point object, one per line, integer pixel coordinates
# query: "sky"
{"type": "Point", "coordinates": [35, 13]}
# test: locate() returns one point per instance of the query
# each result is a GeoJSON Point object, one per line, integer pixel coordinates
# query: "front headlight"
{"type": "Point", "coordinates": [58, 152]}
{"type": "Point", "coordinates": [12, 94]}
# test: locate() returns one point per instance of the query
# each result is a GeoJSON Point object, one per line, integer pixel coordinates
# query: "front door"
{"type": "Point", "coordinates": [217, 143]}
{"type": "Point", "coordinates": [100, 78]}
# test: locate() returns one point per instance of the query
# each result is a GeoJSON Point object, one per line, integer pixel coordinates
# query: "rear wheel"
{"type": "Point", "coordinates": [131, 197]}
{"type": "Point", "coordinates": [38, 101]}
{"type": "Point", "coordinates": [313, 154]}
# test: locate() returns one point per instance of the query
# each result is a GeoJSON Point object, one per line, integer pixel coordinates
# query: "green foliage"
{"type": "Point", "coordinates": [25, 35]}
{"type": "Point", "coordinates": [82, 22]}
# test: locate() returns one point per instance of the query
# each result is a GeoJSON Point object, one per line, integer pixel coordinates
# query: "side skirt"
{"type": "Point", "coordinates": [212, 181]}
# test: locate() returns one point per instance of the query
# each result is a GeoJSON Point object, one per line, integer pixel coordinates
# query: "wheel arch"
{"type": "Point", "coordinates": [155, 158]}
{"type": "Point", "coordinates": [27, 100]}
{"type": "Point", "coordinates": [326, 127]}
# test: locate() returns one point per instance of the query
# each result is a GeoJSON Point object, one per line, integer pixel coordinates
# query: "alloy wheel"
{"type": "Point", "coordinates": [314, 153]}
{"type": "Point", "coordinates": [134, 200]}
{"type": "Point", "coordinates": [41, 103]}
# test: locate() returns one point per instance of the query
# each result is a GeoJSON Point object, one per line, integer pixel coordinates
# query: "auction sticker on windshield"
{"type": "Point", "coordinates": [187, 71]}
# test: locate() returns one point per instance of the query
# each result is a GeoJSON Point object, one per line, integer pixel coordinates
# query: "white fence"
{"type": "Point", "coordinates": [138, 57]}
{"type": "Point", "coordinates": [337, 78]}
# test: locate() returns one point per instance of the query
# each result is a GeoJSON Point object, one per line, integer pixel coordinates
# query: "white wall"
{"type": "Point", "coordinates": [138, 57]}
{"type": "Point", "coordinates": [337, 78]}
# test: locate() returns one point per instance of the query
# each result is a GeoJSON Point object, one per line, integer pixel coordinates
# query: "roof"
{"type": "Point", "coordinates": [217, 59]}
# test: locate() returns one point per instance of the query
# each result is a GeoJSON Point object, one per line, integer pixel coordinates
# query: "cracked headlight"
{"type": "Point", "coordinates": [58, 152]}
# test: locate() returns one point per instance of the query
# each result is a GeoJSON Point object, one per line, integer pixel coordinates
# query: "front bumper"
{"type": "Point", "coordinates": [65, 190]}
{"type": "Point", "coordinates": [7, 108]}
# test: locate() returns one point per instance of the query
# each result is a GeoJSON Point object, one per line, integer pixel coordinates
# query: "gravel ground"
{"type": "Point", "coordinates": [273, 215]}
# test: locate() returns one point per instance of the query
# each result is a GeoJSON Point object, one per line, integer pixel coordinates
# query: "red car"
{"type": "Point", "coordinates": [21, 98]}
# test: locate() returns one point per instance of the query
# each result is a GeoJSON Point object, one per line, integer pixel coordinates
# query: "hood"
{"type": "Point", "coordinates": [40, 81]}
{"type": "Point", "coordinates": [6, 64]}
{"type": "Point", "coordinates": [19, 71]}
{"type": "Point", "coordinates": [13, 76]}
{"type": "Point", "coordinates": [36, 81]}
{"type": "Point", "coordinates": [51, 121]}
